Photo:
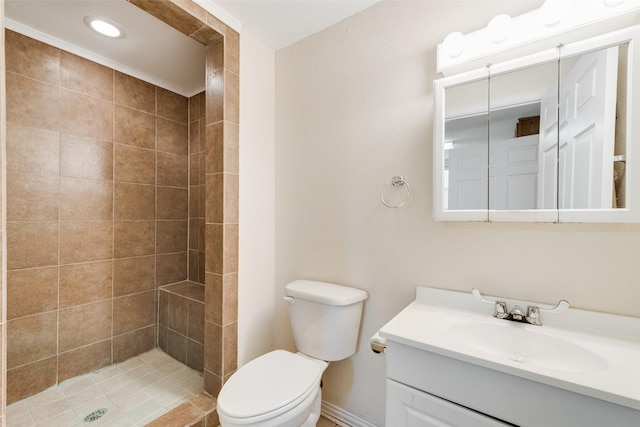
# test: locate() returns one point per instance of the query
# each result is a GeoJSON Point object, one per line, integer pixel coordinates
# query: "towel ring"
{"type": "Point", "coordinates": [396, 181]}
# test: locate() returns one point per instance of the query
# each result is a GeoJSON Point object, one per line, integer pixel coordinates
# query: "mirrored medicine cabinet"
{"type": "Point", "coordinates": [551, 137]}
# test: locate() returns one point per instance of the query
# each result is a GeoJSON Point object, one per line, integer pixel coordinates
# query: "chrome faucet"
{"type": "Point", "coordinates": [532, 315]}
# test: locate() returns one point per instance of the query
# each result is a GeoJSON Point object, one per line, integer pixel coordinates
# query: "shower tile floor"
{"type": "Point", "coordinates": [134, 393]}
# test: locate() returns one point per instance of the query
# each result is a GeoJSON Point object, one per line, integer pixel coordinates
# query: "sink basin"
{"type": "Point", "coordinates": [524, 344]}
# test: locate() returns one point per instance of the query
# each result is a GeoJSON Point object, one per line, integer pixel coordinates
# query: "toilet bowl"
{"type": "Point", "coordinates": [282, 389]}
{"type": "Point", "coordinates": [279, 388]}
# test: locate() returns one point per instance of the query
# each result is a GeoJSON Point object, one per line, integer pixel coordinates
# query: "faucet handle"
{"type": "Point", "coordinates": [500, 307]}
{"type": "Point", "coordinates": [561, 307]}
{"type": "Point", "coordinates": [501, 310]}
{"type": "Point", "coordinates": [533, 315]}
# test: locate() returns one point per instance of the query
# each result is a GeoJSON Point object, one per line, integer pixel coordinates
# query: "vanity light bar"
{"type": "Point", "coordinates": [557, 21]}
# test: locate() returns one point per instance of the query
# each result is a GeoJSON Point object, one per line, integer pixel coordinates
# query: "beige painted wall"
{"type": "Point", "coordinates": [354, 106]}
{"type": "Point", "coordinates": [256, 253]}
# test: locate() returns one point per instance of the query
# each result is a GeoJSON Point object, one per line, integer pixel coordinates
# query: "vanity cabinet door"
{"type": "Point", "coordinates": [408, 407]}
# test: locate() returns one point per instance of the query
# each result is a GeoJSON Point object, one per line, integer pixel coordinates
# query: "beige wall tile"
{"type": "Point", "coordinates": [32, 197]}
{"type": "Point", "coordinates": [196, 107]}
{"type": "Point", "coordinates": [231, 147]}
{"type": "Point", "coordinates": [163, 307]}
{"type": "Point", "coordinates": [173, 137]}
{"type": "Point", "coordinates": [134, 164]}
{"type": "Point", "coordinates": [230, 348]}
{"type": "Point", "coordinates": [31, 291]}
{"type": "Point", "coordinates": [84, 324]}
{"type": "Point", "coordinates": [133, 312]}
{"type": "Point", "coordinates": [194, 233]}
{"type": "Point", "coordinates": [30, 379]}
{"type": "Point", "coordinates": [171, 236]}
{"type": "Point", "coordinates": [134, 238]}
{"type": "Point", "coordinates": [229, 298]}
{"type": "Point", "coordinates": [213, 298]}
{"type": "Point", "coordinates": [178, 314]}
{"type": "Point", "coordinates": [84, 199]}
{"type": "Point", "coordinates": [212, 382]}
{"type": "Point", "coordinates": [194, 267]}
{"type": "Point", "coordinates": [195, 144]}
{"type": "Point", "coordinates": [84, 360]}
{"type": "Point", "coordinates": [214, 148]}
{"type": "Point", "coordinates": [134, 201]}
{"type": "Point", "coordinates": [195, 355]}
{"type": "Point", "coordinates": [84, 76]}
{"type": "Point", "coordinates": [85, 283]}
{"type": "Point", "coordinates": [194, 169]}
{"type": "Point", "coordinates": [195, 323]}
{"type": "Point", "coordinates": [171, 268]}
{"type": "Point", "coordinates": [173, 106]}
{"type": "Point", "coordinates": [173, 170]}
{"type": "Point", "coordinates": [230, 248]}
{"type": "Point", "coordinates": [133, 127]}
{"type": "Point", "coordinates": [133, 275]}
{"type": "Point", "coordinates": [231, 198]}
{"type": "Point", "coordinates": [215, 82]}
{"type": "Point", "coordinates": [232, 51]}
{"type": "Point", "coordinates": [86, 116]}
{"type": "Point", "coordinates": [177, 346]}
{"type": "Point", "coordinates": [84, 157]}
{"type": "Point", "coordinates": [172, 203]}
{"type": "Point", "coordinates": [214, 236]}
{"type": "Point", "coordinates": [31, 244]}
{"type": "Point", "coordinates": [31, 150]}
{"type": "Point", "coordinates": [86, 241]}
{"type": "Point", "coordinates": [31, 338]}
{"type": "Point", "coordinates": [135, 93]}
{"type": "Point", "coordinates": [133, 343]}
{"type": "Point", "coordinates": [213, 348]}
{"type": "Point", "coordinates": [32, 103]}
{"type": "Point", "coordinates": [214, 208]}
{"type": "Point", "coordinates": [194, 202]}
{"type": "Point", "coordinates": [31, 58]}
{"type": "Point", "coordinates": [231, 97]}
{"type": "Point", "coordinates": [171, 14]}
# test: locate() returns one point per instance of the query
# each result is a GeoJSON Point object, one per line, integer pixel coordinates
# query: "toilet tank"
{"type": "Point", "coordinates": [325, 318]}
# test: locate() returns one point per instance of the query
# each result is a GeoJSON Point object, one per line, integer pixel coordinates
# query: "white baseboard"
{"type": "Point", "coordinates": [342, 417]}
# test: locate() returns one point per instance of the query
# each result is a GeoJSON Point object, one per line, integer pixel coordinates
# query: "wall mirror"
{"type": "Point", "coordinates": [545, 138]}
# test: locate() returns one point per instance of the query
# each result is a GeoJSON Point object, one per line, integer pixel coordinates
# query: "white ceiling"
{"type": "Point", "coordinates": [155, 52]}
{"type": "Point", "coordinates": [151, 50]}
{"type": "Point", "coordinates": [279, 23]}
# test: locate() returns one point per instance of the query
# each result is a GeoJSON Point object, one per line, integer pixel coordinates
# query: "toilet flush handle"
{"type": "Point", "coordinates": [290, 300]}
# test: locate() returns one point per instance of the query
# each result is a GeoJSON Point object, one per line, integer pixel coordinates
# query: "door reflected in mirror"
{"type": "Point", "coordinates": [466, 151]}
{"type": "Point", "coordinates": [592, 89]}
{"type": "Point", "coordinates": [522, 155]}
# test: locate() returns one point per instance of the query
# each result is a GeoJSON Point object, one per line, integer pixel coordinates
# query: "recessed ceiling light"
{"type": "Point", "coordinates": [104, 27]}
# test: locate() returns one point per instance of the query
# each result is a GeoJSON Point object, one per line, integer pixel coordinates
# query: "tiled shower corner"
{"type": "Point", "coordinates": [133, 393]}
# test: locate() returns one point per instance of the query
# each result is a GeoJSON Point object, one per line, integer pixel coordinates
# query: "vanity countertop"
{"type": "Point", "coordinates": [590, 353]}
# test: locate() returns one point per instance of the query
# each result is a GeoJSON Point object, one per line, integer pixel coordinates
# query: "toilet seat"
{"type": "Point", "coordinates": [270, 385]}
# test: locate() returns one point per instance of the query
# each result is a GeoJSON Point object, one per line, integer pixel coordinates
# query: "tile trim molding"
{"type": "Point", "coordinates": [342, 417]}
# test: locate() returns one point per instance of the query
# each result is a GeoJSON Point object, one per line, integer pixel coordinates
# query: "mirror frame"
{"type": "Point", "coordinates": [628, 214]}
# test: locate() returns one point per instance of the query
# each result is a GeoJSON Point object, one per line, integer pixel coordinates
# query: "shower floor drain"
{"type": "Point", "coordinates": [95, 415]}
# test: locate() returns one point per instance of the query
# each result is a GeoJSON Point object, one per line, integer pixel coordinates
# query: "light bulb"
{"type": "Point", "coordinates": [552, 11]}
{"type": "Point", "coordinates": [453, 44]}
{"type": "Point", "coordinates": [499, 28]}
{"type": "Point", "coordinates": [104, 27]}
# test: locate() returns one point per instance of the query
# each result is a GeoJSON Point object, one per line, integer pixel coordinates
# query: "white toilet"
{"type": "Point", "coordinates": [282, 388]}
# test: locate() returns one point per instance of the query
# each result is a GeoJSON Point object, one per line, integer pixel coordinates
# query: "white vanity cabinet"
{"type": "Point", "coordinates": [408, 407]}
{"type": "Point", "coordinates": [520, 375]}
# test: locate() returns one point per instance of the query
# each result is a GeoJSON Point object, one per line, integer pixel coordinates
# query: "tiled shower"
{"type": "Point", "coordinates": [106, 204]}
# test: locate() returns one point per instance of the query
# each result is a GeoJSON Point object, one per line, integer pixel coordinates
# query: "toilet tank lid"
{"type": "Point", "coordinates": [324, 293]}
